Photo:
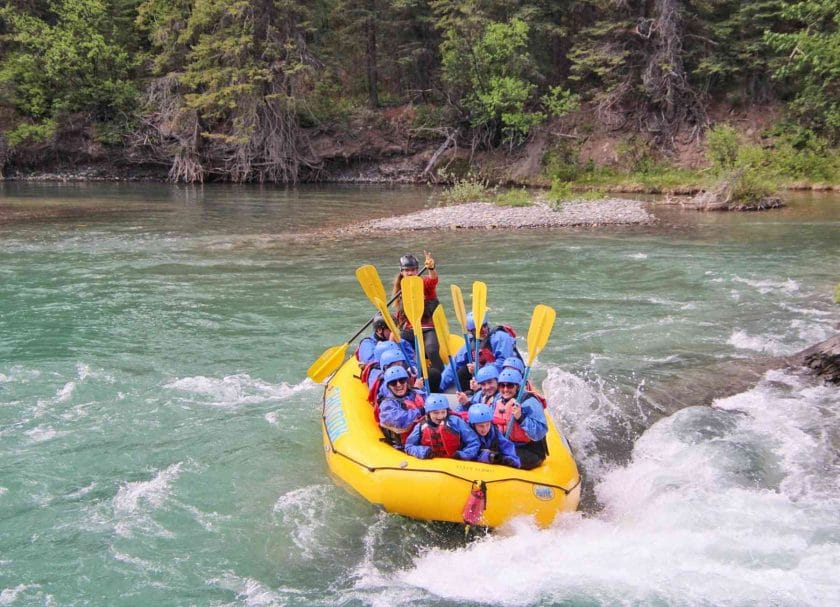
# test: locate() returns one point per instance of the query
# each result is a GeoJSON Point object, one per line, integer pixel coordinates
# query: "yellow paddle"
{"type": "Point", "coordinates": [328, 362]}
{"type": "Point", "coordinates": [412, 298]}
{"type": "Point", "coordinates": [332, 357]}
{"type": "Point", "coordinates": [542, 321]}
{"type": "Point", "coordinates": [371, 284]}
{"type": "Point", "coordinates": [461, 314]}
{"type": "Point", "coordinates": [442, 332]}
{"type": "Point", "coordinates": [479, 309]}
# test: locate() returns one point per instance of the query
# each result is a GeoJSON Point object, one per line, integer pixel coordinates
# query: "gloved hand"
{"type": "Point", "coordinates": [485, 456]}
{"type": "Point", "coordinates": [427, 454]}
{"type": "Point", "coordinates": [509, 461]}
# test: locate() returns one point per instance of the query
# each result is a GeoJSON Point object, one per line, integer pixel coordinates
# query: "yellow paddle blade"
{"type": "Point", "coordinates": [442, 332]}
{"type": "Point", "coordinates": [479, 304]}
{"type": "Point", "coordinates": [412, 299]}
{"type": "Point", "coordinates": [542, 321]}
{"type": "Point", "coordinates": [389, 320]}
{"type": "Point", "coordinates": [458, 304]}
{"type": "Point", "coordinates": [327, 363]}
{"type": "Point", "coordinates": [371, 284]}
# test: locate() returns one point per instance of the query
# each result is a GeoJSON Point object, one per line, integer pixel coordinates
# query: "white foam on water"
{"type": "Point", "coordinates": [141, 564]}
{"type": "Point", "coordinates": [236, 390]}
{"type": "Point", "coordinates": [136, 501]}
{"type": "Point", "coordinates": [583, 412]}
{"type": "Point", "coordinates": [767, 345]}
{"type": "Point", "coordinates": [764, 287]}
{"type": "Point", "coordinates": [3, 490]}
{"type": "Point", "coordinates": [81, 492]}
{"type": "Point", "coordinates": [637, 256]}
{"type": "Point", "coordinates": [305, 514]}
{"type": "Point", "coordinates": [250, 592]}
{"type": "Point", "coordinates": [733, 505]}
{"type": "Point", "coordinates": [66, 392]}
{"type": "Point", "coordinates": [42, 434]}
{"type": "Point", "coordinates": [9, 596]}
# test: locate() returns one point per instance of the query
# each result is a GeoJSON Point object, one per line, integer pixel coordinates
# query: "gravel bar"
{"type": "Point", "coordinates": [485, 215]}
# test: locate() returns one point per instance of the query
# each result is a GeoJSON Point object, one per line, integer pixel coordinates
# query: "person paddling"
{"type": "Point", "coordinates": [410, 266]}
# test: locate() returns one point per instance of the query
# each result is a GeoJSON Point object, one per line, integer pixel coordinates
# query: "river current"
{"type": "Point", "coordinates": [160, 444]}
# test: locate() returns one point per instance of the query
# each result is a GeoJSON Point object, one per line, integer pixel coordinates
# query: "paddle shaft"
{"type": "Point", "coordinates": [388, 303]}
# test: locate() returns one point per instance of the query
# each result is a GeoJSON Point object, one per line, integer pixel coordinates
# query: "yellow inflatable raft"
{"type": "Point", "coordinates": [436, 489]}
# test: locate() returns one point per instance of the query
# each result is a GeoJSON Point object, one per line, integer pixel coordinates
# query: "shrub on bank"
{"type": "Point", "coordinates": [514, 198]}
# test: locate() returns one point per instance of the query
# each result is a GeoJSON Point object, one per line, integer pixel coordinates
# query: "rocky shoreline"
{"type": "Point", "coordinates": [485, 215]}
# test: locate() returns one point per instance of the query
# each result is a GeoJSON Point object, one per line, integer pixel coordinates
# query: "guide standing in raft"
{"type": "Point", "coordinates": [410, 266]}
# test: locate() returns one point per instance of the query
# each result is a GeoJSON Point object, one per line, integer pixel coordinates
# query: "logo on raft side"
{"type": "Point", "coordinates": [543, 493]}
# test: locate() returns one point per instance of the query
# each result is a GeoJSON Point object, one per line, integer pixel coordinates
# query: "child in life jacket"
{"type": "Point", "coordinates": [487, 380]}
{"type": "Point", "coordinates": [524, 423]}
{"type": "Point", "coordinates": [441, 434]}
{"type": "Point", "coordinates": [495, 346]}
{"type": "Point", "coordinates": [401, 409]}
{"type": "Point", "coordinates": [493, 448]}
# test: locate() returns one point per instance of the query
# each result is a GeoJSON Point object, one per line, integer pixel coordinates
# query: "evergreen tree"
{"type": "Point", "coordinates": [632, 61]}
{"type": "Point", "coordinates": [228, 107]}
{"type": "Point", "coordinates": [810, 61]}
{"type": "Point", "coordinates": [64, 57]}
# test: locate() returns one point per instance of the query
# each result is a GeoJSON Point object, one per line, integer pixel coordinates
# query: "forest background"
{"type": "Point", "coordinates": [654, 94]}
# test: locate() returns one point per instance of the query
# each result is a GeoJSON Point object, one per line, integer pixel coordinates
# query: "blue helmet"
{"type": "Point", "coordinates": [480, 413]}
{"type": "Point", "coordinates": [514, 362]}
{"type": "Point", "coordinates": [471, 322]}
{"type": "Point", "coordinates": [436, 402]}
{"type": "Point", "coordinates": [381, 347]}
{"type": "Point", "coordinates": [510, 376]}
{"type": "Point", "coordinates": [391, 356]}
{"type": "Point", "coordinates": [486, 373]}
{"type": "Point", "coordinates": [394, 373]}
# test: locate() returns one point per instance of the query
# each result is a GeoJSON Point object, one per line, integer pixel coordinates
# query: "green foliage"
{"type": "Point", "coordinates": [68, 59]}
{"type": "Point", "coordinates": [722, 147]}
{"type": "Point", "coordinates": [753, 184]}
{"type": "Point", "coordinates": [561, 162]}
{"type": "Point", "coordinates": [514, 198]}
{"type": "Point", "coordinates": [31, 132]}
{"type": "Point", "coordinates": [810, 45]}
{"type": "Point", "coordinates": [470, 188]}
{"type": "Point", "coordinates": [488, 66]}
{"type": "Point", "coordinates": [792, 154]}
{"type": "Point", "coordinates": [799, 153]}
{"type": "Point", "coordinates": [560, 191]}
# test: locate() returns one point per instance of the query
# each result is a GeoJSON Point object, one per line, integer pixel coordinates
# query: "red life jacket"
{"type": "Point", "coordinates": [501, 419]}
{"type": "Point", "coordinates": [443, 440]}
{"type": "Point", "coordinates": [398, 438]}
{"type": "Point", "coordinates": [485, 352]}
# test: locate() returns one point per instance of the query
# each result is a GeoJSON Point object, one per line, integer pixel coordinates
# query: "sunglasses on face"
{"type": "Point", "coordinates": [397, 381]}
{"type": "Point", "coordinates": [507, 385]}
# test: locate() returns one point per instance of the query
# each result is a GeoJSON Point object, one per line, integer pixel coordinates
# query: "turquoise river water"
{"type": "Point", "coordinates": [160, 444]}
